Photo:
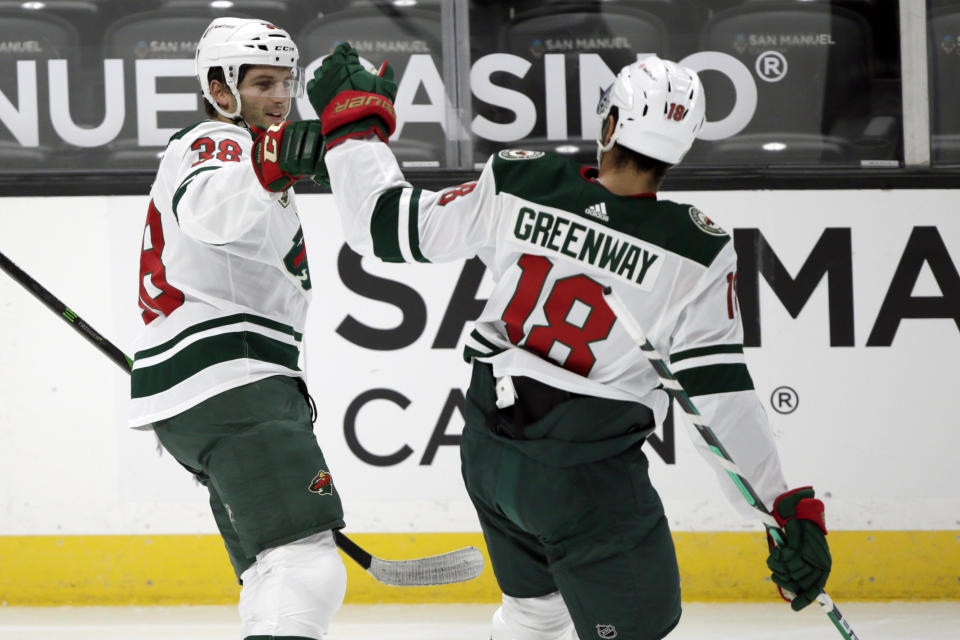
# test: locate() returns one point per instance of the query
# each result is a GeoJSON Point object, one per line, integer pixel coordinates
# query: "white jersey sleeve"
{"type": "Point", "coordinates": [217, 197]}
{"type": "Point", "coordinates": [706, 356]}
{"type": "Point", "coordinates": [384, 216]}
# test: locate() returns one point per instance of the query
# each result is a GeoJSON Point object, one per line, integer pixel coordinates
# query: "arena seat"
{"type": "Point", "coordinates": [944, 53]}
{"type": "Point", "coordinates": [286, 15]}
{"type": "Point", "coordinates": [607, 37]}
{"type": "Point", "coordinates": [384, 31]}
{"type": "Point", "coordinates": [812, 64]}
{"type": "Point", "coordinates": [168, 34]}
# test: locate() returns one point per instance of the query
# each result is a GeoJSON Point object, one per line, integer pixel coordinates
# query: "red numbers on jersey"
{"type": "Point", "coordinates": [152, 269]}
{"type": "Point", "coordinates": [732, 301]}
{"type": "Point", "coordinates": [574, 333]}
{"type": "Point", "coordinates": [456, 192]}
{"type": "Point", "coordinates": [229, 150]}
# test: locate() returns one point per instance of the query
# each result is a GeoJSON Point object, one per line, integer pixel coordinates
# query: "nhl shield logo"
{"type": "Point", "coordinates": [322, 483]}
{"type": "Point", "coordinates": [606, 631]}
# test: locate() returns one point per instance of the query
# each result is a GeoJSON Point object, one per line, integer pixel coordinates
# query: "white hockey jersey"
{"type": "Point", "coordinates": [224, 280]}
{"type": "Point", "coordinates": [552, 238]}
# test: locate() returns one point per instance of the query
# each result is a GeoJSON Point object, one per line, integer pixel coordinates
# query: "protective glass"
{"type": "Point", "coordinates": [273, 82]}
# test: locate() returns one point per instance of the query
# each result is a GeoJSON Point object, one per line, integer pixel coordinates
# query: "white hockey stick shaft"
{"type": "Point", "coordinates": [678, 393]}
{"type": "Point", "coordinates": [455, 566]}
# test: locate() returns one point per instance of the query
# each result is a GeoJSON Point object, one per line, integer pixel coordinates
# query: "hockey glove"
{"type": "Point", "coordinates": [321, 176]}
{"type": "Point", "coordinates": [801, 565]}
{"type": "Point", "coordinates": [350, 100]}
{"type": "Point", "coordinates": [286, 152]}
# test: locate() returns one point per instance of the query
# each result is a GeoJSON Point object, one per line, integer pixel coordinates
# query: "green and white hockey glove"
{"type": "Point", "coordinates": [802, 564]}
{"type": "Point", "coordinates": [321, 176]}
{"type": "Point", "coordinates": [350, 100]}
{"type": "Point", "coordinates": [286, 152]}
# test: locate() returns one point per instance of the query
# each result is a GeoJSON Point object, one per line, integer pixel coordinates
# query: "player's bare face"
{"type": "Point", "coordinates": [265, 95]}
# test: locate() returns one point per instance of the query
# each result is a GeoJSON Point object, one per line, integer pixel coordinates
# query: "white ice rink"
{"type": "Point", "coordinates": [870, 621]}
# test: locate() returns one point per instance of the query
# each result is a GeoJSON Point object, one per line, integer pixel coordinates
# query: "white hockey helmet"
{"type": "Point", "coordinates": [230, 43]}
{"type": "Point", "coordinates": [660, 109]}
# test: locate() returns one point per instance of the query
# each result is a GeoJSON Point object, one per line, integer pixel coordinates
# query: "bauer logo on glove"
{"type": "Point", "coordinates": [351, 100]}
{"type": "Point", "coordinates": [362, 100]}
{"type": "Point", "coordinates": [354, 106]}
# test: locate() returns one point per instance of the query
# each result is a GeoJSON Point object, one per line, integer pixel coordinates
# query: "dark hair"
{"type": "Point", "coordinates": [216, 73]}
{"type": "Point", "coordinates": [621, 156]}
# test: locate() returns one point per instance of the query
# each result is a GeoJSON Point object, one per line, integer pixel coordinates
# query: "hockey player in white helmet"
{"type": "Point", "coordinates": [560, 400]}
{"type": "Point", "coordinates": [224, 291]}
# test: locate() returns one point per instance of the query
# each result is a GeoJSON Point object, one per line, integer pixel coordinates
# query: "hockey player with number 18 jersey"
{"type": "Point", "coordinates": [560, 399]}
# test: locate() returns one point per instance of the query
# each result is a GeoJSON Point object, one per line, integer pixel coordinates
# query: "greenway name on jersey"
{"type": "Point", "coordinates": [587, 242]}
{"type": "Point", "coordinates": [208, 244]}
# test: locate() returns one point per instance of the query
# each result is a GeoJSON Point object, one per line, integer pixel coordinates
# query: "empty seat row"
{"type": "Point", "coordinates": [824, 107]}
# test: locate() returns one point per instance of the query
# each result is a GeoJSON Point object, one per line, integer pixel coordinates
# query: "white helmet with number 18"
{"type": "Point", "coordinates": [660, 109]}
{"type": "Point", "coordinates": [230, 43]}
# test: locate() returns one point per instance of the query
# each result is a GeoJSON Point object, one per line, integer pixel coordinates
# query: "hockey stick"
{"type": "Point", "coordinates": [65, 312]}
{"type": "Point", "coordinates": [677, 392]}
{"type": "Point", "coordinates": [455, 566]}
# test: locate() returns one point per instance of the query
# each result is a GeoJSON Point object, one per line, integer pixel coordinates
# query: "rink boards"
{"type": "Point", "coordinates": [851, 308]}
{"type": "Point", "coordinates": [193, 569]}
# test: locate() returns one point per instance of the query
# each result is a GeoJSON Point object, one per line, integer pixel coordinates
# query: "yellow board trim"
{"type": "Point", "coordinates": [193, 569]}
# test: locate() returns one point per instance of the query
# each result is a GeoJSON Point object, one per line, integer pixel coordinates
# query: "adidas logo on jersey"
{"type": "Point", "coordinates": [598, 210]}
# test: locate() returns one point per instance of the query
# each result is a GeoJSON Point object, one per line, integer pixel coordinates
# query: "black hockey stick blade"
{"type": "Point", "coordinates": [446, 568]}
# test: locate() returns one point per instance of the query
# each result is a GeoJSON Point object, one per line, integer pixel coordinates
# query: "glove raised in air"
{"type": "Point", "coordinates": [350, 100]}
{"type": "Point", "coordinates": [802, 564]}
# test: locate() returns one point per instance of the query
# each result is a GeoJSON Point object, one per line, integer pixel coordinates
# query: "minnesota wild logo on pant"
{"type": "Point", "coordinates": [322, 483]}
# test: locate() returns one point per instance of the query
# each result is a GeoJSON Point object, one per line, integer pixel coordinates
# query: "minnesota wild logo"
{"type": "Point", "coordinates": [322, 483]}
{"type": "Point", "coordinates": [296, 260]}
{"type": "Point", "coordinates": [519, 154]}
{"type": "Point", "coordinates": [704, 223]}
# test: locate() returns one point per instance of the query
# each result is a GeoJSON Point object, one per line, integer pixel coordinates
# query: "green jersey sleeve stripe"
{"type": "Point", "coordinates": [383, 226]}
{"type": "Point", "coordinates": [706, 351]}
{"type": "Point", "coordinates": [471, 351]}
{"type": "Point", "coordinates": [218, 322]}
{"type": "Point", "coordinates": [182, 189]}
{"type": "Point", "coordinates": [715, 378]}
{"type": "Point", "coordinates": [414, 226]}
{"type": "Point", "coordinates": [185, 131]}
{"type": "Point", "coordinates": [208, 352]}
{"type": "Point", "coordinates": [479, 338]}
